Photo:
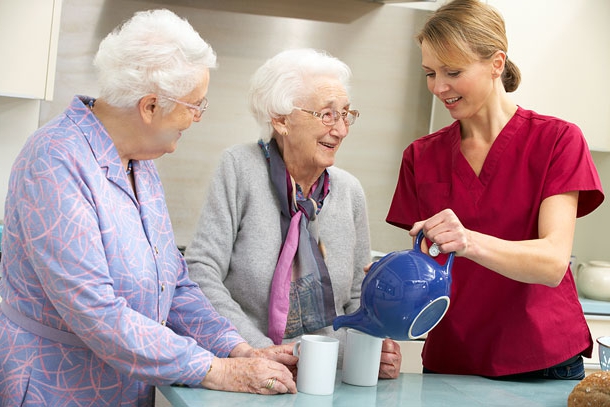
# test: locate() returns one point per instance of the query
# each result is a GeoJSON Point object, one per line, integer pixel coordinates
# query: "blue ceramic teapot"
{"type": "Point", "coordinates": [404, 295]}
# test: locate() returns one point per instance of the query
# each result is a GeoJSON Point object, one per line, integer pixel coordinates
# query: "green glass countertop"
{"type": "Point", "coordinates": [410, 389]}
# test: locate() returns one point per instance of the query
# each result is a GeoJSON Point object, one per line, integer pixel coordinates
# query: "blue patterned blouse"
{"type": "Point", "coordinates": [81, 254]}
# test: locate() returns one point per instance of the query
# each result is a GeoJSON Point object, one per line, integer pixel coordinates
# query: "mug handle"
{"type": "Point", "coordinates": [296, 348]}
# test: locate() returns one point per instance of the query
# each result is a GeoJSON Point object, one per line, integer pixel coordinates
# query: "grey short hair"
{"type": "Point", "coordinates": [154, 51]}
{"type": "Point", "coordinates": [282, 81]}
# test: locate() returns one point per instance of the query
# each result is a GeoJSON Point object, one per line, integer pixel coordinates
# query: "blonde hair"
{"type": "Point", "coordinates": [465, 31]}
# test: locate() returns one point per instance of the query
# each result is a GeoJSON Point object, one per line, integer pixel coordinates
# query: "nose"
{"type": "Point", "coordinates": [437, 86]}
{"type": "Point", "coordinates": [340, 128]}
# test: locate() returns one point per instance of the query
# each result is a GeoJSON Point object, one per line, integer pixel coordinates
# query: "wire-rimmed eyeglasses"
{"type": "Point", "coordinates": [330, 117]}
{"type": "Point", "coordinates": [199, 109]}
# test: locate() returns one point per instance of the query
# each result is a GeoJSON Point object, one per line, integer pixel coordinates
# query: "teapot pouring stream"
{"type": "Point", "coordinates": [404, 295]}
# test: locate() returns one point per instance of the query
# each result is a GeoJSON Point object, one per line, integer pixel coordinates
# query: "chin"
{"type": "Point", "coordinates": [328, 164]}
{"type": "Point", "coordinates": [171, 148]}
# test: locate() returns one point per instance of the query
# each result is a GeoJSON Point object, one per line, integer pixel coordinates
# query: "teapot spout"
{"type": "Point", "coordinates": [358, 320]}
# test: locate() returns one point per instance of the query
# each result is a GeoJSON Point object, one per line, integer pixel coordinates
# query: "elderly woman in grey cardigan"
{"type": "Point", "coordinates": [283, 238]}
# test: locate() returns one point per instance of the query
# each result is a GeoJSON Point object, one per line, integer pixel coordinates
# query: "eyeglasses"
{"type": "Point", "coordinates": [199, 109]}
{"type": "Point", "coordinates": [330, 118]}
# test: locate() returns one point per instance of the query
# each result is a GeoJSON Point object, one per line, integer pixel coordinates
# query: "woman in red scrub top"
{"type": "Point", "coordinates": [501, 187]}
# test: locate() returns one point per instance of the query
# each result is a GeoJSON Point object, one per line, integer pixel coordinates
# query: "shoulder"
{"type": "Point", "coordinates": [343, 178]}
{"type": "Point", "coordinates": [248, 155]}
{"type": "Point", "coordinates": [242, 155]}
{"type": "Point", "coordinates": [435, 146]}
{"type": "Point", "coordinates": [60, 138]}
{"type": "Point", "coordinates": [345, 185]}
{"type": "Point", "coordinates": [547, 126]}
{"type": "Point", "coordinates": [440, 135]}
{"type": "Point", "coordinates": [243, 150]}
{"type": "Point", "coordinates": [244, 166]}
{"type": "Point", "coordinates": [440, 139]}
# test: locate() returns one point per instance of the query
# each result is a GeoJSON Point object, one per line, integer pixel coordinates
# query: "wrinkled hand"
{"type": "Point", "coordinates": [279, 353]}
{"type": "Point", "coordinates": [391, 358]}
{"type": "Point", "coordinates": [249, 375]}
{"type": "Point", "coordinates": [446, 230]}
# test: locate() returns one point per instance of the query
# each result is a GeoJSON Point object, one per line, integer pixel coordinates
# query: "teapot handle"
{"type": "Point", "coordinates": [417, 247]}
{"type": "Point", "coordinates": [418, 239]}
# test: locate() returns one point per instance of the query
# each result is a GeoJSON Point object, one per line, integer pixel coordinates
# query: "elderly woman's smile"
{"type": "Point", "coordinates": [307, 142]}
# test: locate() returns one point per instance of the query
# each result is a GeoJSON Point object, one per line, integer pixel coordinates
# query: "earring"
{"type": "Point", "coordinates": [285, 133]}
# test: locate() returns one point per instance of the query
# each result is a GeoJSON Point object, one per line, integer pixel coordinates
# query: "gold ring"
{"type": "Point", "coordinates": [270, 383]}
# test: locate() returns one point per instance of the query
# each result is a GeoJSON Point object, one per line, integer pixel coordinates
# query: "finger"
{"type": "Point", "coordinates": [282, 383]}
{"type": "Point", "coordinates": [389, 358]}
{"type": "Point", "coordinates": [286, 386]}
{"type": "Point", "coordinates": [270, 386]}
{"type": "Point", "coordinates": [388, 345]}
{"type": "Point", "coordinates": [285, 348]}
{"type": "Point", "coordinates": [388, 371]}
{"type": "Point", "coordinates": [284, 375]}
{"type": "Point", "coordinates": [417, 226]}
{"type": "Point", "coordinates": [286, 359]}
{"type": "Point", "coordinates": [367, 268]}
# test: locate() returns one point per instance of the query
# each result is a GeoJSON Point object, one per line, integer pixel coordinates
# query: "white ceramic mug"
{"type": "Point", "coordinates": [317, 364]}
{"type": "Point", "coordinates": [361, 358]}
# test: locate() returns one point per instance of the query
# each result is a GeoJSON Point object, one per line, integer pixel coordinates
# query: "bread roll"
{"type": "Point", "coordinates": [592, 391]}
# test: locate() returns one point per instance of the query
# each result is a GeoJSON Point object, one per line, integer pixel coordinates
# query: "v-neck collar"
{"type": "Point", "coordinates": [464, 170]}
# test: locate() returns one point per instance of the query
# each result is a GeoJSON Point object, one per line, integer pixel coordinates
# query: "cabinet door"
{"type": "Point", "coordinates": [411, 356]}
{"type": "Point", "coordinates": [562, 50]}
{"type": "Point", "coordinates": [29, 31]}
{"type": "Point", "coordinates": [599, 325]}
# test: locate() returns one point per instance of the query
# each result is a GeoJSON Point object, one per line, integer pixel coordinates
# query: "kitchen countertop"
{"type": "Point", "coordinates": [594, 307]}
{"type": "Point", "coordinates": [410, 389]}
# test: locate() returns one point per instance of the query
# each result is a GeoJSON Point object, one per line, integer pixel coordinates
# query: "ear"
{"type": "Point", "coordinates": [280, 124]}
{"type": "Point", "coordinates": [497, 63]}
{"type": "Point", "coordinates": [148, 107]}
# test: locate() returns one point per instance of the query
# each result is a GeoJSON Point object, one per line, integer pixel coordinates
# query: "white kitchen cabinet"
{"type": "Point", "coordinates": [411, 356]}
{"type": "Point", "coordinates": [599, 325]}
{"type": "Point", "coordinates": [561, 48]}
{"type": "Point", "coordinates": [29, 33]}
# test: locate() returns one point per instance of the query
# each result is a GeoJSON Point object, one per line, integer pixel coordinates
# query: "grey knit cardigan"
{"type": "Point", "coordinates": [238, 238]}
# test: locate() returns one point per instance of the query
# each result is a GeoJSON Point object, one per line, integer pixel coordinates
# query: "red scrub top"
{"type": "Point", "coordinates": [496, 326]}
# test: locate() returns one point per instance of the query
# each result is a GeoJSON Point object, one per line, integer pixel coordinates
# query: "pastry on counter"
{"type": "Point", "coordinates": [593, 390]}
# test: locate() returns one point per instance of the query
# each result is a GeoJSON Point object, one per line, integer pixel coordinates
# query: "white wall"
{"type": "Point", "coordinates": [375, 40]}
{"type": "Point", "coordinates": [18, 119]}
{"type": "Point", "coordinates": [388, 88]}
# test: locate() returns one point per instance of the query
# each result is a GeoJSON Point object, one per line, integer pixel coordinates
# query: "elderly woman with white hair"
{"type": "Point", "coordinates": [283, 236]}
{"type": "Point", "coordinates": [97, 306]}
